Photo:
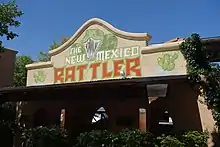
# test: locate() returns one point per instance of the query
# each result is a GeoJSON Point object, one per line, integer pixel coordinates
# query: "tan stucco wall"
{"type": "Point", "coordinates": [208, 123]}
{"type": "Point", "coordinates": [151, 68]}
{"type": "Point", "coordinates": [206, 116]}
{"type": "Point", "coordinates": [49, 72]}
{"type": "Point", "coordinates": [7, 63]}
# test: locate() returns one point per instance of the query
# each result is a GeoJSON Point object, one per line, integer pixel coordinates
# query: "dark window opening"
{"type": "Point", "coordinates": [100, 115]}
{"type": "Point", "coordinates": [100, 119]}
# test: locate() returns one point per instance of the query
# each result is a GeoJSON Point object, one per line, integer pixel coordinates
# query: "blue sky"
{"type": "Point", "coordinates": [45, 21]}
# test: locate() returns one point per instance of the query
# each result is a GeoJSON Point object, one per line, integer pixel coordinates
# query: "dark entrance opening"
{"type": "Point", "coordinates": [41, 118]}
{"type": "Point", "coordinates": [100, 119]}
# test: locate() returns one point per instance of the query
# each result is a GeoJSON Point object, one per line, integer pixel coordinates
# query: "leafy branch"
{"type": "Point", "coordinates": [203, 72]}
{"type": "Point", "coordinates": [9, 12]}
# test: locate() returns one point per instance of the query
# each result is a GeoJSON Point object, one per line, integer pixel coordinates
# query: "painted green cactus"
{"type": "Point", "coordinates": [167, 61]}
{"type": "Point", "coordinates": [109, 42]}
{"type": "Point", "coordinates": [39, 76]}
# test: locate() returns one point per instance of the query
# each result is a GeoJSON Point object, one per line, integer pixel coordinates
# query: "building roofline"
{"type": "Point", "coordinates": [209, 39]}
{"type": "Point", "coordinates": [11, 50]}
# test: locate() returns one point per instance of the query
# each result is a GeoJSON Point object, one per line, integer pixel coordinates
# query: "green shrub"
{"type": "Point", "coordinates": [7, 123]}
{"type": "Point", "coordinates": [44, 137]}
{"type": "Point", "coordinates": [55, 137]}
{"type": "Point", "coordinates": [126, 138]}
{"type": "Point", "coordinates": [195, 139]}
{"type": "Point", "coordinates": [188, 139]}
{"type": "Point", "coordinates": [6, 135]}
{"type": "Point", "coordinates": [95, 138]}
{"type": "Point", "coordinates": [168, 141]}
{"type": "Point", "coordinates": [133, 138]}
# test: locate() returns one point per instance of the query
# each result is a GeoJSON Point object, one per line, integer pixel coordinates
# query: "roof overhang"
{"type": "Point", "coordinates": [18, 93]}
{"type": "Point", "coordinates": [213, 48]}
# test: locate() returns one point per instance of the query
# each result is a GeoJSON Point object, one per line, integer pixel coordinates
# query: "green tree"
{"type": "Point", "coordinates": [20, 72]}
{"type": "Point", "coordinates": [7, 123]}
{"type": "Point", "coordinates": [54, 45]}
{"type": "Point", "coordinates": [43, 57]}
{"type": "Point", "coordinates": [9, 14]}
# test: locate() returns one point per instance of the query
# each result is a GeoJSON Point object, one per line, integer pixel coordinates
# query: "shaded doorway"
{"type": "Point", "coordinates": [100, 119]}
{"type": "Point", "coordinates": [41, 118]}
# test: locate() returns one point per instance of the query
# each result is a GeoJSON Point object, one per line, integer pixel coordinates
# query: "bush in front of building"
{"type": "Point", "coordinates": [168, 141]}
{"type": "Point", "coordinates": [56, 137]}
{"type": "Point", "coordinates": [136, 138]}
{"type": "Point", "coordinates": [126, 138]}
{"type": "Point", "coordinates": [7, 123]}
{"type": "Point", "coordinates": [95, 138]}
{"type": "Point", "coordinates": [133, 138]}
{"type": "Point", "coordinates": [6, 135]}
{"type": "Point", "coordinates": [195, 139]}
{"type": "Point", "coordinates": [44, 137]}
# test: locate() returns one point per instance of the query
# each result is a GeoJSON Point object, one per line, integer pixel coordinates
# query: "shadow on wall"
{"type": "Point", "coordinates": [181, 102]}
{"type": "Point", "coordinates": [215, 139]}
{"type": "Point", "coordinates": [88, 118]}
{"type": "Point", "coordinates": [41, 118]}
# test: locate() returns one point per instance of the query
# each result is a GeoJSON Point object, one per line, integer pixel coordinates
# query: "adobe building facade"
{"type": "Point", "coordinates": [7, 64]}
{"type": "Point", "coordinates": [100, 53]}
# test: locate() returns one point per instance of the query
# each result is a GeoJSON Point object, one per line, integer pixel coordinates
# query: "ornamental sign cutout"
{"type": "Point", "coordinates": [97, 51]}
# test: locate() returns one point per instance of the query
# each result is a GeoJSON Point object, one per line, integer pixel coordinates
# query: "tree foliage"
{"type": "Point", "coordinates": [136, 138]}
{"type": "Point", "coordinates": [43, 57]}
{"type": "Point", "coordinates": [54, 45]}
{"type": "Point", "coordinates": [7, 123]}
{"type": "Point", "coordinates": [9, 14]}
{"type": "Point", "coordinates": [202, 72]}
{"type": "Point", "coordinates": [20, 72]}
{"type": "Point", "coordinates": [44, 137]}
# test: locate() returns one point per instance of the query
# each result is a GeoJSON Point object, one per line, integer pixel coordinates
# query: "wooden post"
{"type": "Point", "coordinates": [62, 118]}
{"type": "Point", "coordinates": [142, 119]}
{"type": "Point", "coordinates": [143, 110]}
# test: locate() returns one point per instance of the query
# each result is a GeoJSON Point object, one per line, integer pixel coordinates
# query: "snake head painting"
{"type": "Point", "coordinates": [39, 76]}
{"type": "Point", "coordinates": [95, 40]}
{"type": "Point", "coordinates": [91, 47]}
{"type": "Point", "coordinates": [167, 61]}
{"type": "Point", "coordinates": [92, 42]}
